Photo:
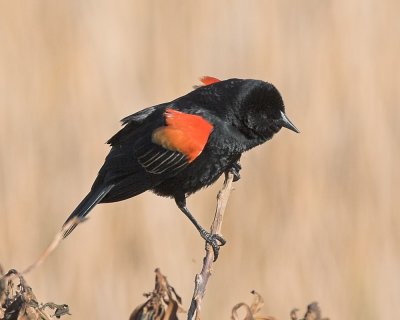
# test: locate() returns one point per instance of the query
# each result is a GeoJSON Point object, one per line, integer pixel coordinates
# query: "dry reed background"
{"type": "Point", "coordinates": [315, 216]}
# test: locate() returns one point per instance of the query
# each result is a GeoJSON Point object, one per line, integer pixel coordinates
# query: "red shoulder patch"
{"type": "Point", "coordinates": [206, 80]}
{"type": "Point", "coordinates": [186, 133]}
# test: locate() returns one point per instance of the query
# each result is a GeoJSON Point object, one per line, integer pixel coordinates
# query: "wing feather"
{"type": "Point", "coordinates": [159, 160]}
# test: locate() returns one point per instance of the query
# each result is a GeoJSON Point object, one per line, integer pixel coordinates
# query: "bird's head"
{"type": "Point", "coordinates": [262, 109]}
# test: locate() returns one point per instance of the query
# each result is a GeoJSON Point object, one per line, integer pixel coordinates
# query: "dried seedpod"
{"type": "Point", "coordinates": [313, 313]}
{"type": "Point", "coordinates": [163, 302]}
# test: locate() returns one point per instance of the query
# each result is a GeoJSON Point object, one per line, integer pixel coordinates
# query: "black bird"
{"type": "Point", "coordinates": [176, 148]}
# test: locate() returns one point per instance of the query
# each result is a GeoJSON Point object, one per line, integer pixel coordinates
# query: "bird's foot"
{"type": "Point", "coordinates": [214, 240]}
{"type": "Point", "coordinates": [235, 170]}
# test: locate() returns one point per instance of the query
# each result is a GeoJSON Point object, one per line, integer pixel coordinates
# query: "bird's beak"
{"type": "Point", "coordinates": [287, 123]}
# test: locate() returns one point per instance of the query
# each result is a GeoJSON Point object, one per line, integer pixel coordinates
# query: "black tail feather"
{"type": "Point", "coordinates": [86, 205]}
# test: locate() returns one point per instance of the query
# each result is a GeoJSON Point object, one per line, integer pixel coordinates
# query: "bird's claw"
{"type": "Point", "coordinates": [235, 170]}
{"type": "Point", "coordinates": [215, 241]}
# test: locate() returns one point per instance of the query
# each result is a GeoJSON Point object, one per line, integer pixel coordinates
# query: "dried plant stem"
{"type": "Point", "coordinates": [202, 277]}
{"type": "Point", "coordinates": [53, 245]}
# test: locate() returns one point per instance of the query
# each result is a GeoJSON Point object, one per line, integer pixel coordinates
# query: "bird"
{"type": "Point", "coordinates": [179, 147]}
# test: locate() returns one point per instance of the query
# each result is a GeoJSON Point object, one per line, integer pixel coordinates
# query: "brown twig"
{"type": "Point", "coordinates": [202, 277]}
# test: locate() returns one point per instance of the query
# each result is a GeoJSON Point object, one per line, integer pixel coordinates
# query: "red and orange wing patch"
{"type": "Point", "coordinates": [186, 133]}
{"type": "Point", "coordinates": [207, 80]}
{"type": "Point", "coordinates": [179, 142]}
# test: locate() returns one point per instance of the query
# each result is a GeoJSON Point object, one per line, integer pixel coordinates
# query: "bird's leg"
{"type": "Point", "coordinates": [214, 240]}
{"type": "Point", "coordinates": [235, 170]}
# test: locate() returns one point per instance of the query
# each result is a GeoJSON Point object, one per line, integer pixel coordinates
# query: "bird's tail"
{"type": "Point", "coordinates": [86, 205]}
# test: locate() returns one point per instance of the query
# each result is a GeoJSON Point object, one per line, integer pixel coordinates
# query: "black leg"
{"type": "Point", "coordinates": [214, 240]}
{"type": "Point", "coordinates": [235, 169]}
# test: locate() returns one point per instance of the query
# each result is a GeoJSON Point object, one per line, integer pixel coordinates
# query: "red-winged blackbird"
{"type": "Point", "coordinates": [179, 147]}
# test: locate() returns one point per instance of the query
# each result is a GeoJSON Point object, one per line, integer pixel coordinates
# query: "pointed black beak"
{"type": "Point", "coordinates": [287, 123]}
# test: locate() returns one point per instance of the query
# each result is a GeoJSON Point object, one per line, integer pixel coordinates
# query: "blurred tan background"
{"type": "Point", "coordinates": [315, 216]}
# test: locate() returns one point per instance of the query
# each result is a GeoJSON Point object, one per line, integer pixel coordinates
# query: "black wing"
{"type": "Point", "coordinates": [134, 123]}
